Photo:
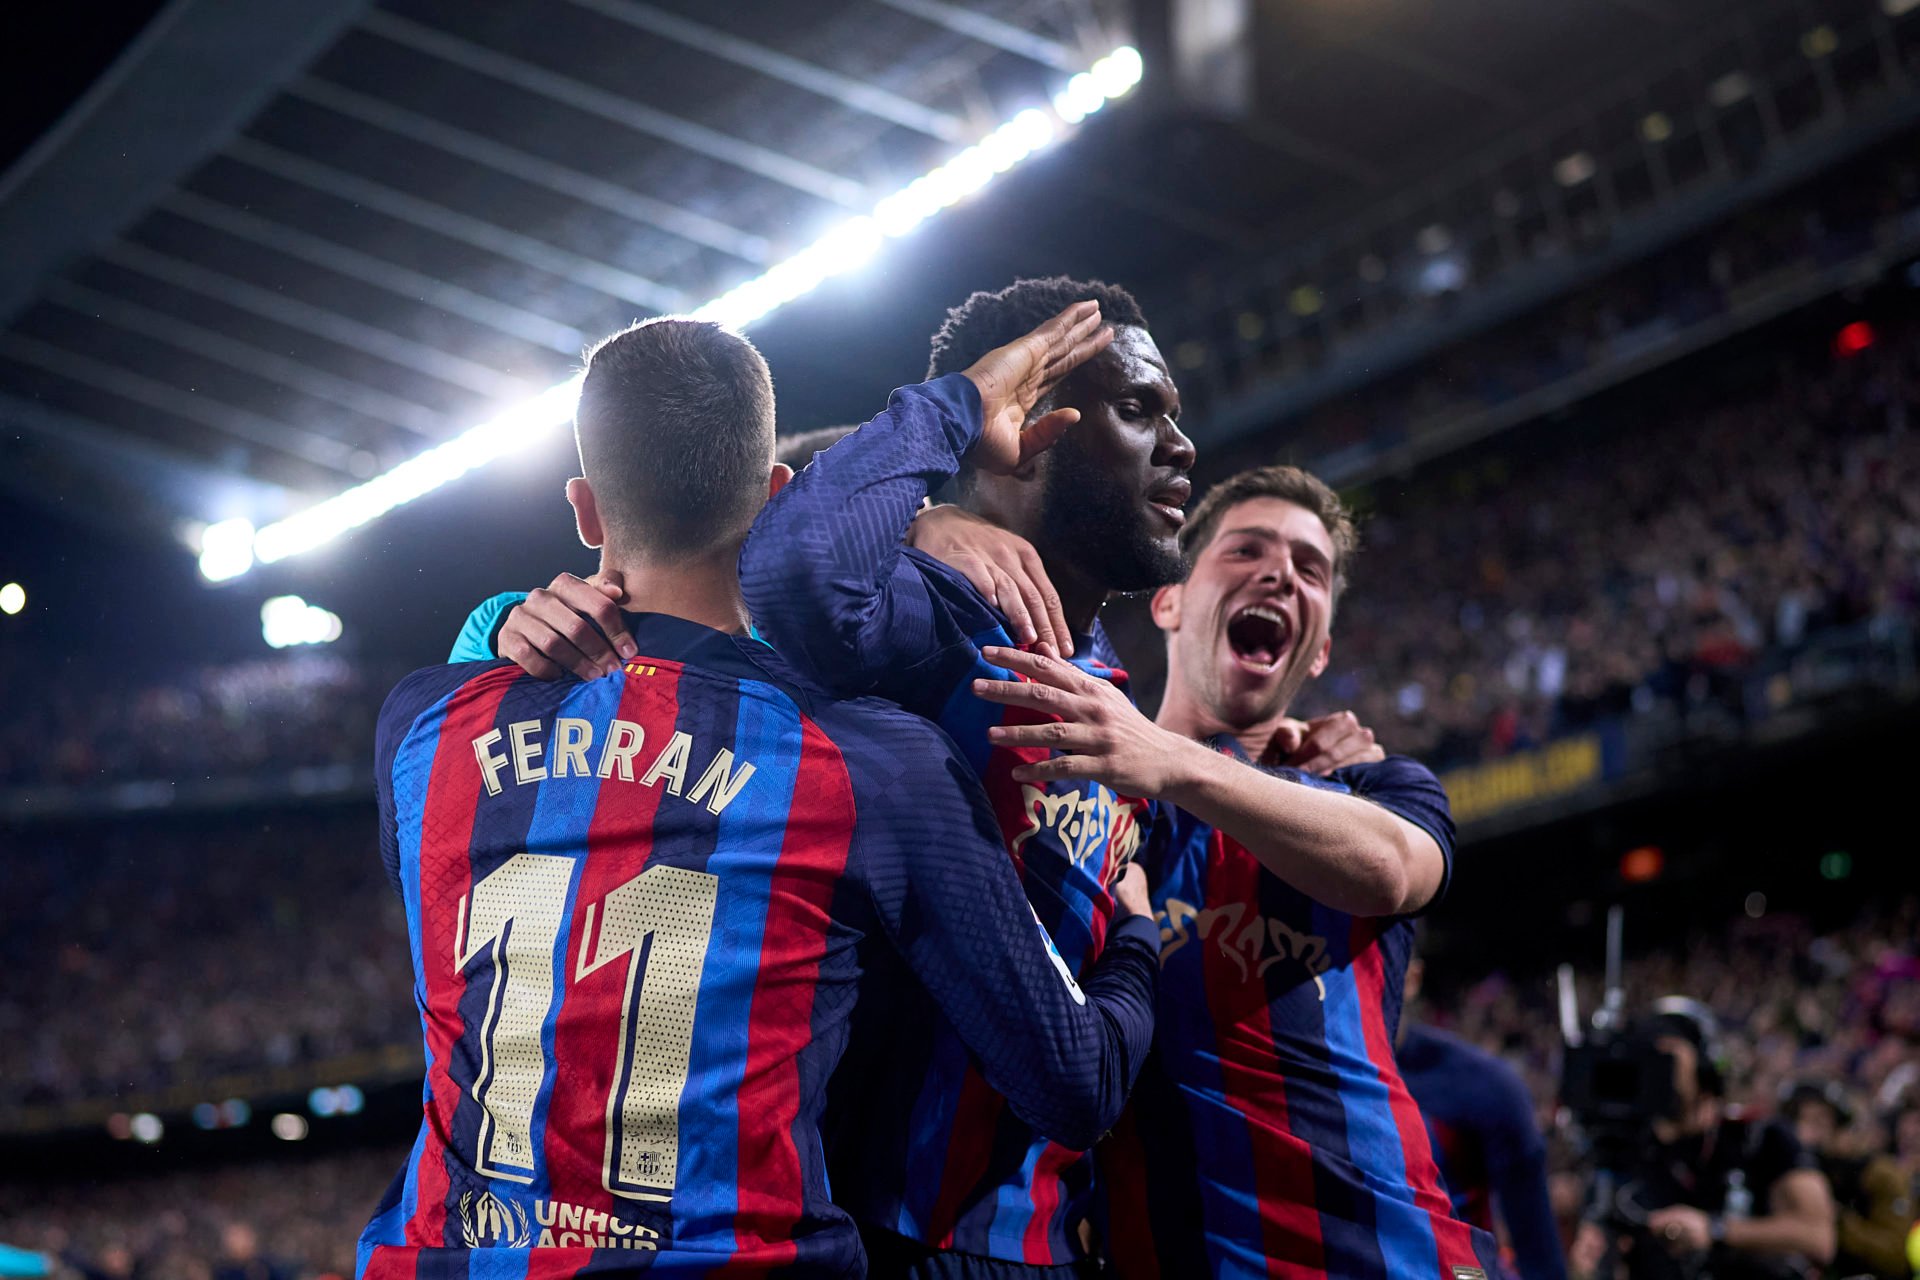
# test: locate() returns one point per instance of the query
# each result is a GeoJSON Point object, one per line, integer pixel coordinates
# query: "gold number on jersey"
{"type": "Point", "coordinates": [660, 921]}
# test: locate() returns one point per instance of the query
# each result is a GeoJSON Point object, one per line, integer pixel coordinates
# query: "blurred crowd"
{"type": "Point", "coordinates": [158, 955]}
{"type": "Point", "coordinates": [243, 718]}
{"type": "Point", "coordinates": [270, 1220]}
{"type": "Point", "coordinates": [1654, 565]}
{"type": "Point", "coordinates": [1628, 313]}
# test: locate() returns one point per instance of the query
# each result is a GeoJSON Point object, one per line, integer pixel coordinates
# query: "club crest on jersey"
{"type": "Point", "coordinates": [487, 1221]}
{"type": "Point", "coordinates": [1082, 823]}
{"type": "Point", "coordinates": [1252, 941]}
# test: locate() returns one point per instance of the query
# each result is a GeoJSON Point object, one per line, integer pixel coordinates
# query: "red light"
{"type": "Point", "coordinates": [1637, 866]}
{"type": "Point", "coordinates": [1853, 339]}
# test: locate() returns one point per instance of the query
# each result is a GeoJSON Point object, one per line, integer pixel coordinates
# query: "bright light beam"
{"type": "Point", "coordinates": [232, 547]}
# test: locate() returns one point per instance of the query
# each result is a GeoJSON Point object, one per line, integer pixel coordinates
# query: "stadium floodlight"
{"type": "Point", "coordinates": [232, 547]}
{"type": "Point", "coordinates": [226, 549]}
{"type": "Point", "coordinates": [13, 598]}
{"type": "Point", "coordinates": [289, 620]}
{"type": "Point", "coordinates": [289, 1127]}
{"type": "Point", "coordinates": [147, 1129]}
{"type": "Point", "coordinates": [505, 433]}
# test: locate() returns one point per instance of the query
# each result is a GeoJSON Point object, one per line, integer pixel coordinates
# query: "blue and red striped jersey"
{"type": "Point", "coordinates": [1271, 1135]}
{"type": "Point", "coordinates": [641, 912]}
{"type": "Point", "coordinates": [936, 1155]}
{"type": "Point", "coordinates": [1486, 1142]}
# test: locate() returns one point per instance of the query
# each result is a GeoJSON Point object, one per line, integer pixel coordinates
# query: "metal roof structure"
{"type": "Point", "coordinates": [286, 248]}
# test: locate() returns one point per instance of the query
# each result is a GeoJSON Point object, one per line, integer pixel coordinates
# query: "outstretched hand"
{"type": "Point", "coordinates": [1014, 378]}
{"type": "Point", "coordinates": [1099, 733]}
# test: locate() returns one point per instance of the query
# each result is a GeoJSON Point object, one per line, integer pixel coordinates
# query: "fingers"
{"type": "Point", "coordinates": [1050, 606]}
{"type": "Point", "coordinates": [1045, 431]}
{"type": "Point", "coordinates": [1069, 327]}
{"type": "Point", "coordinates": [591, 603]}
{"type": "Point", "coordinates": [1288, 737]}
{"type": "Point", "coordinates": [1056, 769]}
{"type": "Point", "coordinates": [1041, 603]}
{"type": "Point", "coordinates": [540, 651]}
{"type": "Point", "coordinates": [1054, 735]}
{"type": "Point", "coordinates": [1035, 666]}
{"type": "Point", "coordinates": [1087, 338]}
{"type": "Point", "coordinates": [1334, 742]}
{"type": "Point", "coordinates": [1130, 891]}
{"type": "Point", "coordinates": [1013, 605]}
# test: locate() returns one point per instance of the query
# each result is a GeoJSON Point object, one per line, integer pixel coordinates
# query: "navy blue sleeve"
{"type": "Point", "coordinates": [827, 579]}
{"type": "Point", "coordinates": [930, 855]}
{"type": "Point", "coordinates": [1517, 1169]}
{"type": "Point", "coordinates": [408, 701]}
{"type": "Point", "coordinates": [1408, 789]}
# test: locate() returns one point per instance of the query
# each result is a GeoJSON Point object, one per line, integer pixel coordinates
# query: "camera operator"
{"type": "Point", "coordinates": [1738, 1198]}
{"type": "Point", "coordinates": [1870, 1197]}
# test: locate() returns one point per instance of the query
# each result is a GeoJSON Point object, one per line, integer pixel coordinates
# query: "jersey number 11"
{"type": "Point", "coordinates": [659, 923]}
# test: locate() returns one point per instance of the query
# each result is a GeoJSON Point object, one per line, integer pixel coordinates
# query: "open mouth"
{"type": "Point", "coordinates": [1258, 636]}
{"type": "Point", "coordinates": [1171, 501]}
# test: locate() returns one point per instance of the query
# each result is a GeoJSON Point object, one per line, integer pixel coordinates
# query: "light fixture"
{"type": "Point", "coordinates": [226, 549]}
{"type": "Point", "coordinates": [289, 620]}
{"type": "Point", "coordinates": [13, 598]}
{"type": "Point", "coordinates": [225, 553]}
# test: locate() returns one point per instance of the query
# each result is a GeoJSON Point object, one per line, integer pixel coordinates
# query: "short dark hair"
{"type": "Point", "coordinates": [1290, 484]}
{"type": "Point", "coordinates": [797, 451]}
{"type": "Point", "coordinates": [675, 430]}
{"type": "Point", "coordinates": [988, 320]}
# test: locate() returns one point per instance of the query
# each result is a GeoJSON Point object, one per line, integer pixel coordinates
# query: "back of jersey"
{"type": "Point", "coordinates": [620, 897]}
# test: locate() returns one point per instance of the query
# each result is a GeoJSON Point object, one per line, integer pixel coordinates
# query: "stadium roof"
{"type": "Point", "coordinates": [278, 250]}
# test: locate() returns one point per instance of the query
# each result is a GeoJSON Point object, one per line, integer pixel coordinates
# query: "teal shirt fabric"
{"type": "Point", "coordinates": [23, 1262]}
{"type": "Point", "coordinates": [475, 641]}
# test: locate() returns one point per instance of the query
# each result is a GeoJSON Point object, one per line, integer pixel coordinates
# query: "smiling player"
{"type": "Point", "coordinates": [1282, 959]}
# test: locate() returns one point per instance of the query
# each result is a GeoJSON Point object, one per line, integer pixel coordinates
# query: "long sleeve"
{"type": "Point", "coordinates": [826, 576]}
{"type": "Point", "coordinates": [1063, 1054]}
{"type": "Point", "coordinates": [475, 641]}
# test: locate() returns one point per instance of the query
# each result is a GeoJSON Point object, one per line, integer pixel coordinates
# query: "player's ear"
{"type": "Point", "coordinates": [1166, 607]}
{"type": "Point", "coordinates": [777, 479]}
{"type": "Point", "coordinates": [1320, 662]}
{"type": "Point", "coordinates": [586, 513]}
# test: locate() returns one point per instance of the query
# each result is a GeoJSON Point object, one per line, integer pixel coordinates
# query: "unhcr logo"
{"type": "Point", "coordinates": [488, 1221]}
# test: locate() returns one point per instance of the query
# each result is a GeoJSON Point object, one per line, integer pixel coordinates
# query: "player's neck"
{"type": "Point", "coordinates": [705, 590]}
{"type": "Point", "coordinates": [1185, 713]}
{"type": "Point", "coordinates": [1080, 600]}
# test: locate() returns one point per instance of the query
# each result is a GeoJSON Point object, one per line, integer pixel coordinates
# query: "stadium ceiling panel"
{"type": "Point", "coordinates": [302, 244]}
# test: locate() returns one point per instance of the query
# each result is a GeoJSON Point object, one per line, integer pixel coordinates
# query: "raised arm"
{"type": "Point", "coordinates": [1063, 1054]}
{"type": "Point", "coordinates": [1354, 854]}
{"type": "Point", "coordinates": [824, 571]}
